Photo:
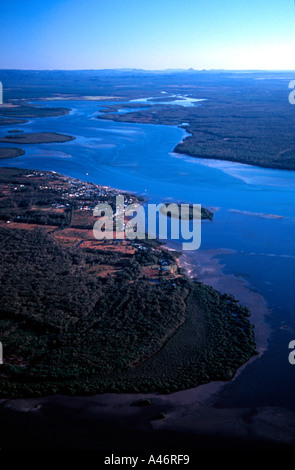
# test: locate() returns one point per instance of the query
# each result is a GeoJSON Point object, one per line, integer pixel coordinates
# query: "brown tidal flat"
{"type": "Point", "coordinates": [208, 269]}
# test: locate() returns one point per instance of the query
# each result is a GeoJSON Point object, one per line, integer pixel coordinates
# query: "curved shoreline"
{"type": "Point", "coordinates": [186, 410]}
{"type": "Point", "coordinates": [154, 116]}
{"type": "Point", "coordinates": [191, 416]}
{"type": "Point", "coordinates": [241, 161]}
{"type": "Point", "coordinates": [209, 271]}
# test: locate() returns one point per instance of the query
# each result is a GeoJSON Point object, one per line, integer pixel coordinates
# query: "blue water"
{"type": "Point", "coordinates": [261, 249]}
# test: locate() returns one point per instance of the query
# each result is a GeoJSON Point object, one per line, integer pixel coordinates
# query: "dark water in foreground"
{"type": "Point", "coordinates": [251, 245]}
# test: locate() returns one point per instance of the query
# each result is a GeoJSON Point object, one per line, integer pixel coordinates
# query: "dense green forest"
{"type": "Point", "coordinates": [245, 118]}
{"type": "Point", "coordinates": [248, 132]}
{"type": "Point", "coordinates": [66, 330]}
{"type": "Point", "coordinates": [119, 316]}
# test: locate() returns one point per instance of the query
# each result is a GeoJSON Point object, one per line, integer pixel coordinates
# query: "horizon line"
{"type": "Point", "coordinates": [131, 69]}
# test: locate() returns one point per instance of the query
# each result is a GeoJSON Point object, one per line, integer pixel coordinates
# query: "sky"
{"type": "Point", "coordinates": [147, 34]}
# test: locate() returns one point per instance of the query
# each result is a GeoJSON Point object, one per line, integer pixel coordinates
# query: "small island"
{"type": "Point", "coordinates": [11, 121]}
{"type": "Point", "coordinates": [37, 138]}
{"type": "Point", "coordinates": [10, 153]}
{"type": "Point", "coordinates": [187, 213]}
{"type": "Point", "coordinates": [24, 111]}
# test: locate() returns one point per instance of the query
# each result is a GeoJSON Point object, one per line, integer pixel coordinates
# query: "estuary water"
{"type": "Point", "coordinates": [251, 239]}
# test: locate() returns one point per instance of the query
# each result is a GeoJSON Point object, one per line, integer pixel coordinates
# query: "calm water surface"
{"type": "Point", "coordinates": [257, 247]}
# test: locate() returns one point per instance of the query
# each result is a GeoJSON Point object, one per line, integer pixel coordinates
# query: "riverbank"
{"type": "Point", "coordinates": [265, 382]}
{"type": "Point", "coordinates": [166, 336]}
{"type": "Point", "coordinates": [209, 270]}
{"type": "Point", "coordinates": [189, 418]}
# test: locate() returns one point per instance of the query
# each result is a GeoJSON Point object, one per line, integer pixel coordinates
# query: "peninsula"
{"type": "Point", "coordinates": [84, 316]}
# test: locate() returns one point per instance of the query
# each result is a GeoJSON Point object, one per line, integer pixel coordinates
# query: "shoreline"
{"type": "Point", "coordinates": [240, 162]}
{"type": "Point", "coordinates": [182, 148]}
{"type": "Point", "coordinates": [190, 409]}
{"type": "Point", "coordinates": [181, 355]}
{"type": "Point", "coordinates": [191, 419]}
{"type": "Point", "coordinates": [190, 415]}
{"type": "Point", "coordinates": [209, 271]}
